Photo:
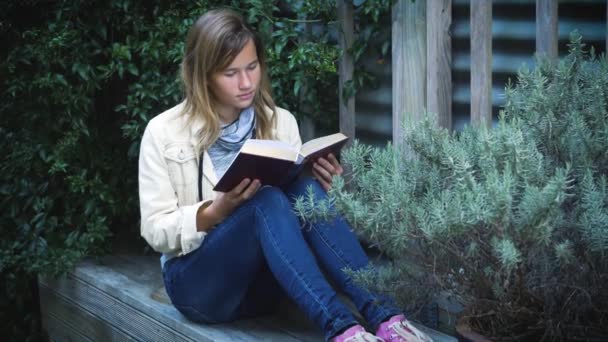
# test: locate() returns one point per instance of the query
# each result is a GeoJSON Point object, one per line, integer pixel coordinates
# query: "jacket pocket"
{"type": "Point", "coordinates": [182, 164]}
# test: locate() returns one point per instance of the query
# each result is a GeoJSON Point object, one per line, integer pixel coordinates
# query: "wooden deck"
{"type": "Point", "coordinates": [122, 298]}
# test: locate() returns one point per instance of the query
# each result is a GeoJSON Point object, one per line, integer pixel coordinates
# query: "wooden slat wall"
{"type": "Point", "coordinates": [439, 61]}
{"type": "Point", "coordinates": [409, 64]}
{"type": "Point", "coordinates": [481, 57]}
{"type": "Point", "coordinates": [307, 126]}
{"type": "Point", "coordinates": [346, 68]}
{"type": "Point", "coordinates": [546, 28]}
{"type": "Point", "coordinates": [513, 44]}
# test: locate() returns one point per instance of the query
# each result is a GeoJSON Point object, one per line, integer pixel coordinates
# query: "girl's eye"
{"type": "Point", "coordinates": [229, 74]}
{"type": "Point", "coordinates": [252, 67]}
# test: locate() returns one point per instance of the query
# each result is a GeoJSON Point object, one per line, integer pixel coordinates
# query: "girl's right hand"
{"type": "Point", "coordinates": [225, 203]}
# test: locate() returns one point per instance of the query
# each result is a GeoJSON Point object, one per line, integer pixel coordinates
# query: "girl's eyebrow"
{"type": "Point", "coordinates": [234, 69]}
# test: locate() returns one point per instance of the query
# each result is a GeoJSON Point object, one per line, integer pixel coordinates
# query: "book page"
{"type": "Point", "coordinates": [270, 148]}
{"type": "Point", "coordinates": [318, 144]}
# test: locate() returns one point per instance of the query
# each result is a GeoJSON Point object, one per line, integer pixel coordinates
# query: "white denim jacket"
{"type": "Point", "coordinates": [168, 179]}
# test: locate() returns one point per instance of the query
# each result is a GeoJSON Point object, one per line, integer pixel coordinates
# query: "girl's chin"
{"type": "Point", "coordinates": [245, 103]}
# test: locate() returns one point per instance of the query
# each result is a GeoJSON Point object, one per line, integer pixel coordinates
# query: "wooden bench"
{"type": "Point", "coordinates": [122, 298]}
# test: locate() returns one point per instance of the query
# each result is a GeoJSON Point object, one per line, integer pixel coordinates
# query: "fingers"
{"type": "Point", "coordinates": [245, 190]}
{"type": "Point", "coordinates": [336, 164]}
{"type": "Point", "coordinates": [238, 190]}
{"type": "Point", "coordinates": [325, 164]}
{"type": "Point", "coordinates": [322, 172]}
{"type": "Point", "coordinates": [325, 184]}
{"type": "Point", "coordinates": [324, 169]}
{"type": "Point", "coordinates": [225, 203]}
{"type": "Point", "coordinates": [251, 190]}
{"type": "Point", "coordinates": [331, 164]}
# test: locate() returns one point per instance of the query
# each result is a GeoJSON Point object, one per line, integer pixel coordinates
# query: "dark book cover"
{"type": "Point", "coordinates": [270, 171]}
{"type": "Point", "coordinates": [269, 161]}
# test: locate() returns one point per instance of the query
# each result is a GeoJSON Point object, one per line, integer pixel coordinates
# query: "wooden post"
{"type": "Point", "coordinates": [439, 61]}
{"type": "Point", "coordinates": [481, 63]}
{"type": "Point", "coordinates": [546, 28]}
{"type": "Point", "coordinates": [307, 125]}
{"type": "Point", "coordinates": [347, 108]}
{"type": "Point", "coordinates": [409, 64]}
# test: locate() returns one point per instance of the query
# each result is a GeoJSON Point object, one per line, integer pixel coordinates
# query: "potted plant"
{"type": "Point", "coordinates": [510, 221]}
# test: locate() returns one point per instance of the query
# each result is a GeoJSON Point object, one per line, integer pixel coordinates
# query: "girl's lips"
{"type": "Point", "coordinates": [246, 96]}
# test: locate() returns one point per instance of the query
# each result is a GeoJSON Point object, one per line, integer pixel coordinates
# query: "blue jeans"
{"type": "Point", "coordinates": [261, 252]}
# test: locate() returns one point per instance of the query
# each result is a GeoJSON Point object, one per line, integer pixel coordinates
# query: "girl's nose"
{"type": "Point", "coordinates": [245, 81]}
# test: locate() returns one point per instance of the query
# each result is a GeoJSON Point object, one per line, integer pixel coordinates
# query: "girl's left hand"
{"type": "Point", "coordinates": [324, 169]}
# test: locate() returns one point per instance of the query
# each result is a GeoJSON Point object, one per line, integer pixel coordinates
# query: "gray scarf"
{"type": "Point", "coordinates": [231, 139]}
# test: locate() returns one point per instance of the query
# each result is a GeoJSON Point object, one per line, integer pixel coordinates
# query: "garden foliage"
{"type": "Point", "coordinates": [511, 221]}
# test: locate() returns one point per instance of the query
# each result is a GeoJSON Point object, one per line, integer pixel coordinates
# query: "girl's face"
{"type": "Point", "coordinates": [235, 87]}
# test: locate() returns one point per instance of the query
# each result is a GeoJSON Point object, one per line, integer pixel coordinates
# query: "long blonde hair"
{"type": "Point", "coordinates": [213, 42]}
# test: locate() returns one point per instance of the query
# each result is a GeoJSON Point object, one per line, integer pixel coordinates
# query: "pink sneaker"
{"type": "Point", "coordinates": [399, 329]}
{"type": "Point", "coordinates": [356, 333]}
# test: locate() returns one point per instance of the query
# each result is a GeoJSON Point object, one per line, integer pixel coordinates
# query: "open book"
{"type": "Point", "coordinates": [275, 162]}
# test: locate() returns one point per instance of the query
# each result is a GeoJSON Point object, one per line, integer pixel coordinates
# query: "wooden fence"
{"type": "Point", "coordinates": [422, 59]}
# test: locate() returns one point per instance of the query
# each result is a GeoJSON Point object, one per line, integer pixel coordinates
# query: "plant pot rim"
{"type": "Point", "coordinates": [464, 330]}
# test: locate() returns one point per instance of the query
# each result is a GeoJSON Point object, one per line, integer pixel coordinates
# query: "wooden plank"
{"type": "Point", "coordinates": [127, 304]}
{"type": "Point", "coordinates": [408, 65]}
{"type": "Point", "coordinates": [60, 331]}
{"type": "Point", "coordinates": [68, 321]}
{"type": "Point", "coordinates": [110, 300]}
{"type": "Point", "coordinates": [113, 311]}
{"type": "Point", "coordinates": [346, 36]}
{"type": "Point", "coordinates": [546, 28]}
{"type": "Point", "coordinates": [439, 61]}
{"type": "Point", "coordinates": [481, 59]}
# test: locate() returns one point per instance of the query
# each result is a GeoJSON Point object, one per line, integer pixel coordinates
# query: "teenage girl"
{"type": "Point", "coordinates": [233, 255]}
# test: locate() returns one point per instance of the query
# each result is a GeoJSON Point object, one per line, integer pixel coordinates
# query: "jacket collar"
{"type": "Point", "coordinates": [208, 170]}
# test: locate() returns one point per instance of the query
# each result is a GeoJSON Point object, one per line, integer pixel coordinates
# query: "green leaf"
{"type": "Point", "coordinates": [132, 69]}
{"type": "Point", "coordinates": [81, 70]}
{"type": "Point", "coordinates": [296, 87]}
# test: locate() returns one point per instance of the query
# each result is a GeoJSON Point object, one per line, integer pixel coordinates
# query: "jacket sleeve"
{"type": "Point", "coordinates": [167, 227]}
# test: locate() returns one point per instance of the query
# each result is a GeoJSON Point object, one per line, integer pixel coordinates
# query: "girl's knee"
{"type": "Point", "coordinates": [272, 205]}
{"type": "Point", "coordinates": [271, 197]}
{"type": "Point", "coordinates": [301, 186]}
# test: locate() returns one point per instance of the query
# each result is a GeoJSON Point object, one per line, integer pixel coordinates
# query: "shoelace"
{"type": "Point", "coordinates": [407, 331]}
{"type": "Point", "coordinates": [363, 336]}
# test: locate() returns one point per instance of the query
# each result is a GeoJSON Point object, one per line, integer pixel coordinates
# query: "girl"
{"type": "Point", "coordinates": [227, 256]}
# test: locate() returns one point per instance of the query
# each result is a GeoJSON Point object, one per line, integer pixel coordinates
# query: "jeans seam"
{"type": "Point", "coordinates": [298, 276]}
{"type": "Point", "coordinates": [339, 254]}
